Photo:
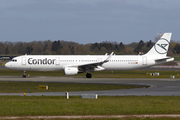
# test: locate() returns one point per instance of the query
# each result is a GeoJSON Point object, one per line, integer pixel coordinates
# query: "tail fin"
{"type": "Point", "coordinates": [161, 46]}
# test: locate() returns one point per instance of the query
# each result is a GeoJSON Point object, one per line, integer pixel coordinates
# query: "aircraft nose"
{"type": "Point", "coordinates": [6, 65]}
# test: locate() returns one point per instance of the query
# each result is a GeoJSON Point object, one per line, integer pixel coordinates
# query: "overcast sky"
{"type": "Point", "coordinates": [88, 21]}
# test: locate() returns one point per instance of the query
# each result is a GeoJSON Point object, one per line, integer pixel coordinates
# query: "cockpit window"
{"type": "Point", "coordinates": [14, 60]}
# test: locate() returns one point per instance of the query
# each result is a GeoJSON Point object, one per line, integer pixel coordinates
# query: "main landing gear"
{"type": "Point", "coordinates": [88, 75]}
{"type": "Point", "coordinates": [24, 74]}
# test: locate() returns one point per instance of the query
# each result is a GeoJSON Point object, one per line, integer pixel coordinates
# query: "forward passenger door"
{"type": "Point", "coordinates": [23, 61]}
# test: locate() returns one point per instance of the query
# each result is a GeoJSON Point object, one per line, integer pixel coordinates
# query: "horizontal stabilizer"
{"type": "Point", "coordinates": [166, 58]}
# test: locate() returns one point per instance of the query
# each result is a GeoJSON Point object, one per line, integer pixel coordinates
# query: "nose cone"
{"type": "Point", "coordinates": [7, 65]}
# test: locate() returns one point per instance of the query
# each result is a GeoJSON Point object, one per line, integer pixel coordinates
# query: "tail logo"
{"type": "Point", "coordinates": [161, 46]}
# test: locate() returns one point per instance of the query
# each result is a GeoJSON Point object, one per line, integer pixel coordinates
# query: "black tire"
{"type": "Point", "coordinates": [24, 76]}
{"type": "Point", "coordinates": [88, 75]}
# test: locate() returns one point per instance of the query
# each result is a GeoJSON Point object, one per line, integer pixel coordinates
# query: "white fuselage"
{"type": "Point", "coordinates": [59, 62]}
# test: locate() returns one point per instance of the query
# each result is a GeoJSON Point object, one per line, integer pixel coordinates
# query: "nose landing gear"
{"type": "Point", "coordinates": [24, 74]}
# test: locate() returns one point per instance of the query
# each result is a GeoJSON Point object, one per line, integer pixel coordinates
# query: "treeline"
{"type": "Point", "coordinates": [61, 47]}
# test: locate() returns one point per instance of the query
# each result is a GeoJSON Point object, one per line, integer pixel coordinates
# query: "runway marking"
{"type": "Point", "coordinates": [93, 116]}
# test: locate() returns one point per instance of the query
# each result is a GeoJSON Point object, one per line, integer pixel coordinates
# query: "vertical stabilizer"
{"type": "Point", "coordinates": [161, 46]}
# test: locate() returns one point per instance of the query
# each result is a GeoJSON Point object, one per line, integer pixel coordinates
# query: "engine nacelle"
{"type": "Point", "coordinates": [71, 71]}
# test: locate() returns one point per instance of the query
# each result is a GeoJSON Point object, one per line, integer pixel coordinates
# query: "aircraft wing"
{"type": "Point", "coordinates": [92, 66]}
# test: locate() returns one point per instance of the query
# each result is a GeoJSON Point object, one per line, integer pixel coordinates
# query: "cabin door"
{"type": "Point", "coordinates": [144, 61]}
{"type": "Point", "coordinates": [23, 61]}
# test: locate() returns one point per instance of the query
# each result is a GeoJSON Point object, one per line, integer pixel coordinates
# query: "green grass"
{"type": "Point", "coordinates": [176, 58]}
{"type": "Point", "coordinates": [24, 87]}
{"type": "Point", "coordinates": [129, 118]}
{"type": "Point", "coordinates": [114, 105]}
{"type": "Point", "coordinates": [100, 74]}
{"type": "Point", "coordinates": [135, 74]}
{"type": "Point", "coordinates": [126, 105]}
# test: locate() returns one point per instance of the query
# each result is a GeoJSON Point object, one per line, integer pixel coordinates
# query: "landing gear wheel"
{"type": "Point", "coordinates": [24, 74]}
{"type": "Point", "coordinates": [88, 75]}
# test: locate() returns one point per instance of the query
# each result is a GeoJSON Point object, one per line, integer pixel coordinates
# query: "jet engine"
{"type": "Point", "coordinates": [71, 71]}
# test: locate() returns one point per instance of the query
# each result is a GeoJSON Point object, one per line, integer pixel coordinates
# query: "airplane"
{"type": "Point", "coordinates": [75, 64]}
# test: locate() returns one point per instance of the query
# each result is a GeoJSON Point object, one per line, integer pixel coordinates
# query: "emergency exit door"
{"type": "Point", "coordinates": [57, 61]}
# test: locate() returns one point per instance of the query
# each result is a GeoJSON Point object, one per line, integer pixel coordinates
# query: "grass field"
{"type": "Point", "coordinates": [114, 105]}
{"type": "Point", "coordinates": [126, 105]}
{"type": "Point", "coordinates": [176, 58]}
{"type": "Point", "coordinates": [99, 74]}
{"type": "Point", "coordinates": [24, 87]}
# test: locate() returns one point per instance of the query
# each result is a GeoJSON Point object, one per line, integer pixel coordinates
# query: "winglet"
{"type": "Point", "coordinates": [109, 57]}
